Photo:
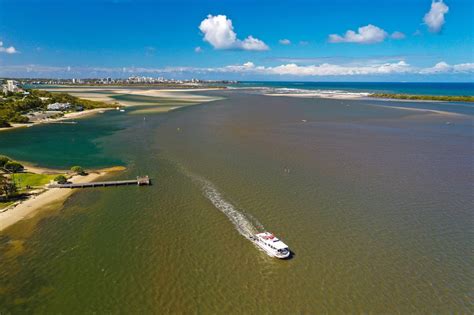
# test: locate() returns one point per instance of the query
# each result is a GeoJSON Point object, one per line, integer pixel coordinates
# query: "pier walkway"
{"type": "Point", "coordinates": [140, 181]}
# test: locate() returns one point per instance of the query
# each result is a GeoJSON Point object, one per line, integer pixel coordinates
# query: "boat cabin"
{"type": "Point", "coordinates": [275, 244]}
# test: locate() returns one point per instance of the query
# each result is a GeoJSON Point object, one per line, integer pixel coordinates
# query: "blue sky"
{"type": "Point", "coordinates": [347, 40]}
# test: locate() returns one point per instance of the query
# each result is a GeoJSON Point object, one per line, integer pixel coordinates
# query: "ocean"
{"type": "Point", "coordinates": [422, 88]}
{"type": "Point", "coordinates": [374, 199]}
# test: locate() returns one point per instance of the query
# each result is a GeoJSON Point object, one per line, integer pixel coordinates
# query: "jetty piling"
{"type": "Point", "coordinates": [140, 181]}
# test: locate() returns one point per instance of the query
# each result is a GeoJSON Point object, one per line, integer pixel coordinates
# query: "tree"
{"type": "Point", "coordinates": [18, 118]}
{"type": "Point", "coordinates": [14, 167]}
{"type": "Point", "coordinates": [3, 160]}
{"type": "Point", "coordinates": [60, 179]}
{"type": "Point", "coordinates": [7, 187]}
{"type": "Point", "coordinates": [4, 123]}
{"type": "Point", "coordinates": [78, 170]}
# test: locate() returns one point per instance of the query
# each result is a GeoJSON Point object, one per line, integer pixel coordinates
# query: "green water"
{"type": "Point", "coordinates": [375, 203]}
{"type": "Point", "coordinates": [59, 145]}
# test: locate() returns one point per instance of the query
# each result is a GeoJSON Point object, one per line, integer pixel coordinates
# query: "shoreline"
{"type": "Point", "coordinates": [67, 116]}
{"type": "Point", "coordinates": [28, 208]}
{"type": "Point", "coordinates": [339, 96]}
{"type": "Point", "coordinates": [105, 95]}
{"type": "Point", "coordinates": [362, 97]}
{"type": "Point", "coordinates": [159, 98]}
{"type": "Point", "coordinates": [373, 96]}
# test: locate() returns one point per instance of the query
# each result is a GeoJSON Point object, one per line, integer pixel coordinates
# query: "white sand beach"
{"type": "Point", "coordinates": [35, 203]}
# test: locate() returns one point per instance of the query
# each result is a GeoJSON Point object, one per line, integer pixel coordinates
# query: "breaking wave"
{"type": "Point", "coordinates": [265, 90]}
{"type": "Point", "coordinates": [316, 92]}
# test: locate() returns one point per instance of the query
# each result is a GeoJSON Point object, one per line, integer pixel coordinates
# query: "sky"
{"type": "Point", "coordinates": [297, 40]}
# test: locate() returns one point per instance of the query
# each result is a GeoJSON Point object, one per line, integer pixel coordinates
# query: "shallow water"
{"type": "Point", "coordinates": [375, 202]}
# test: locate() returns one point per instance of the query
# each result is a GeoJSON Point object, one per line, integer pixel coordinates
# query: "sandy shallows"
{"type": "Point", "coordinates": [34, 204]}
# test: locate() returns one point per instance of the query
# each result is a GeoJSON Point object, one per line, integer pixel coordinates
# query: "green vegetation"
{"type": "Point", "coordinates": [9, 166]}
{"type": "Point", "coordinates": [13, 167]}
{"type": "Point", "coordinates": [4, 123]}
{"type": "Point", "coordinates": [33, 180]}
{"type": "Point", "coordinates": [14, 106]}
{"type": "Point", "coordinates": [78, 170]}
{"type": "Point", "coordinates": [3, 160]}
{"type": "Point", "coordinates": [4, 204]}
{"type": "Point", "coordinates": [8, 188]}
{"type": "Point", "coordinates": [445, 98]}
{"type": "Point", "coordinates": [60, 179]}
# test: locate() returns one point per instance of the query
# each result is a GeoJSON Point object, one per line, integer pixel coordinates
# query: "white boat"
{"type": "Point", "coordinates": [273, 246]}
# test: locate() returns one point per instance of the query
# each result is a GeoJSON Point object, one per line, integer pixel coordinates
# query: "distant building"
{"type": "Point", "coordinates": [10, 87]}
{"type": "Point", "coordinates": [59, 106]}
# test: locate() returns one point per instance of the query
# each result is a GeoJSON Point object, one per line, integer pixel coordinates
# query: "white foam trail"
{"type": "Point", "coordinates": [238, 219]}
{"type": "Point", "coordinates": [243, 224]}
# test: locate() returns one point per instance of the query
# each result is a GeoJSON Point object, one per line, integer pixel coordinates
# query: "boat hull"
{"type": "Point", "coordinates": [270, 252]}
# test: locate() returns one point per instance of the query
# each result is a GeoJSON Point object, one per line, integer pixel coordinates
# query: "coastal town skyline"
{"type": "Point", "coordinates": [290, 41]}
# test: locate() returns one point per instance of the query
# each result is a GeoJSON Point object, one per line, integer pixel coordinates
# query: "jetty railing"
{"type": "Point", "coordinates": [140, 181]}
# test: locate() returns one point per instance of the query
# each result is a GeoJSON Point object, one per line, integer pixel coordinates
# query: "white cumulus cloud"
{"type": "Point", "coordinates": [219, 32]}
{"type": "Point", "coordinates": [397, 35]}
{"type": "Point", "coordinates": [284, 42]}
{"type": "Point", "coordinates": [7, 50]}
{"type": "Point", "coordinates": [327, 69]}
{"type": "Point", "coordinates": [252, 43]}
{"type": "Point", "coordinates": [464, 68]}
{"type": "Point", "coordinates": [434, 19]}
{"type": "Point", "coordinates": [368, 34]}
{"type": "Point", "coordinates": [249, 68]}
{"type": "Point", "coordinates": [444, 67]}
{"type": "Point", "coordinates": [198, 49]}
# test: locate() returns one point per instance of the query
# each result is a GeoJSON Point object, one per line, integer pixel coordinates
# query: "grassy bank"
{"type": "Point", "coordinates": [444, 98]}
{"type": "Point", "coordinates": [4, 204]}
{"type": "Point", "coordinates": [33, 180]}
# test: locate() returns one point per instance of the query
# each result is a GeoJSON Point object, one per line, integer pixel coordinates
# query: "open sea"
{"type": "Point", "coordinates": [421, 88]}
{"type": "Point", "coordinates": [375, 199]}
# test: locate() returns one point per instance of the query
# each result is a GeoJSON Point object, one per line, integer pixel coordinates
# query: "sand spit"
{"type": "Point", "coordinates": [68, 116]}
{"type": "Point", "coordinates": [341, 96]}
{"type": "Point", "coordinates": [184, 95]}
{"type": "Point", "coordinates": [30, 207]}
{"type": "Point", "coordinates": [423, 110]}
{"type": "Point", "coordinates": [364, 96]}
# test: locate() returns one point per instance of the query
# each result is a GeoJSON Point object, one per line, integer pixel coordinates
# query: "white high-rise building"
{"type": "Point", "coordinates": [11, 86]}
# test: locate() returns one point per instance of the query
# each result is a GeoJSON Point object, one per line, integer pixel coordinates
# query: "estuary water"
{"type": "Point", "coordinates": [374, 199]}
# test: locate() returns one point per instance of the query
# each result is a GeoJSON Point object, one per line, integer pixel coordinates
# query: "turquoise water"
{"type": "Point", "coordinates": [374, 201]}
{"type": "Point", "coordinates": [58, 145]}
{"type": "Point", "coordinates": [435, 88]}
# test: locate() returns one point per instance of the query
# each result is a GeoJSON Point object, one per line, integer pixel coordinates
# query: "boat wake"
{"type": "Point", "coordinates": [246, 225]}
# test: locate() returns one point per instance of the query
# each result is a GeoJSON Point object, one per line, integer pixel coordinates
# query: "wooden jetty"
{"type": "Point", "coordinates": [140, 181]}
